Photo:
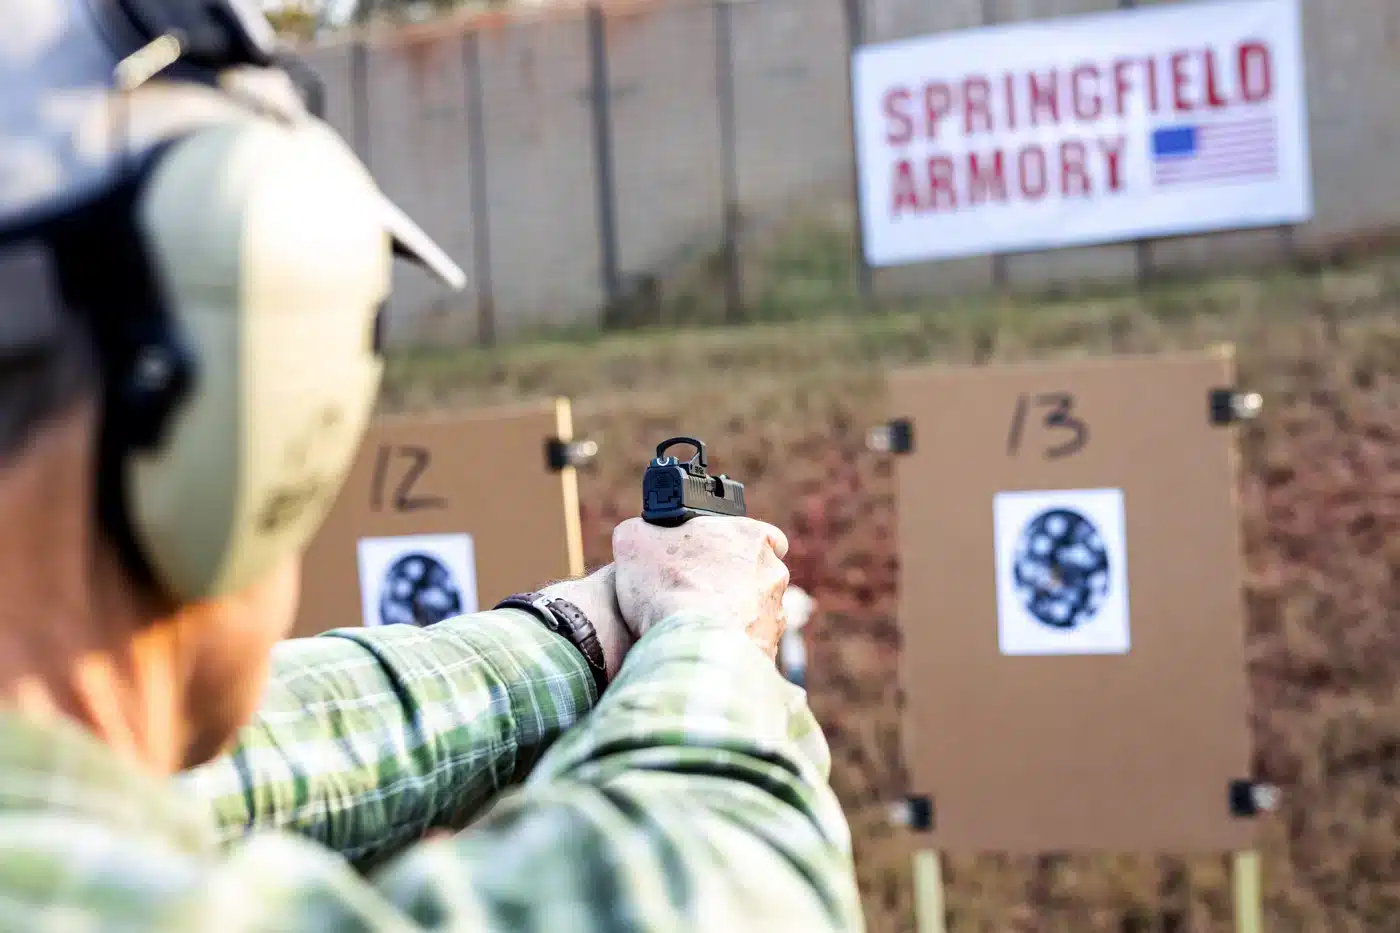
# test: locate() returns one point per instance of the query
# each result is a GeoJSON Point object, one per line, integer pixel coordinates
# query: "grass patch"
{"type": "Point", "coordinates": [808, 341]}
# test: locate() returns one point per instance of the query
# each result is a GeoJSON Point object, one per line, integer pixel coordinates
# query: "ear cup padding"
{"type": "Point", "coordinates": [270, 254]}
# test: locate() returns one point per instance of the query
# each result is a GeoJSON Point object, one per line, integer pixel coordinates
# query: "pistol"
{"type": "Point", "coordinates": [675, 491]}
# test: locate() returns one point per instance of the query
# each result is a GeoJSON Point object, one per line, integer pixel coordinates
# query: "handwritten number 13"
{"type": "Point", "coordinates": [1059, 418]}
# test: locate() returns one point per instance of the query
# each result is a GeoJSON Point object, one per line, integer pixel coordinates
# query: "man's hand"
{"type": "Point", "coordinates": [730, 568]}
{"type": "Point", "coordinates": [596, 597]}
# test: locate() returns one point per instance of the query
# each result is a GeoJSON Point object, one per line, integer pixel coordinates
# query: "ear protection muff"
{"type": "Point", "coordinates": [230, 257]}
{"type": "Point", "coordinates": [234, 288]}
{"type": "Point", "coordinates": [232, 273]}
{"type": "Point", "coordinates": [267, 246]}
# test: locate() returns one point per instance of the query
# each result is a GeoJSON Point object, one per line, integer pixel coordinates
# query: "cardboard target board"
{"type": "Point", "coordinates": [1071, 607]}
{"type": "Point", "coordinates": [443, 515]}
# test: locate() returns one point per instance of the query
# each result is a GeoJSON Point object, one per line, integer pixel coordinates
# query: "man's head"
{"type": "Point", "coordinates": [193, 269]}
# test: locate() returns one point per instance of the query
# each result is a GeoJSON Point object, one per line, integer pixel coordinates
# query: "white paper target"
{"type": "Point", "coordinates": [1062, 572]}
{"type": "Point", "coordinates": [417, 579]}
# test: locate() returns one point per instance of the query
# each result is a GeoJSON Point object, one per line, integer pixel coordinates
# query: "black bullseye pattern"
{"type": "Point", "coordinates": [1061, 568]}
{"type": "Point", "coordinates": [418, 590]}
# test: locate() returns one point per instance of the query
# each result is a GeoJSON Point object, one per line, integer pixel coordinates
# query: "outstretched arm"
{"type": "Point", "coordinates": [693, 799]}
{"type": "Point", "coordinates": [366, 738]}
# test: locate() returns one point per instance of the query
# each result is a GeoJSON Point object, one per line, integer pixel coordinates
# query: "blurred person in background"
{"type": "Point", "coordinates": [193, 267]}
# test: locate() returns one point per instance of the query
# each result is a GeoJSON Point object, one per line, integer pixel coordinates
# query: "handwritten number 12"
{"type": "Point", "coordinates": [404, 499]}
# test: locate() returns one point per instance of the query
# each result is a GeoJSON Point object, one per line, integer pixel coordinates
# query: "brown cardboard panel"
{"type": "Point", "coordinates": [482, 473]}
{"type": "Point", "coordinates": [1129, 752]}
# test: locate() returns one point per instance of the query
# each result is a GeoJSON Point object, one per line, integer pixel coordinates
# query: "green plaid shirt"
{"type": "Point", "coordinates": [692, 797]}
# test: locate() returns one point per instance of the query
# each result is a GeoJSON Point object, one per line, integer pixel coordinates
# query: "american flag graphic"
{"type": "Point", "coordinates": [1216, 153]}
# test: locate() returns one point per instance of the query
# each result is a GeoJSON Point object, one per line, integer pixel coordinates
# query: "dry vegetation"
{"type": "Point", "coordinates": [786, 408]}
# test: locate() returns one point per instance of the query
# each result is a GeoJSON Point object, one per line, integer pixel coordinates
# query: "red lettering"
{"type": "Point", "coordinates": [1122, 85]}
{"type": "Point", "coordinates": [1045, 98]}
{"type": "Point", "coordinates": [1009, 82]}
{"type": "Point", "coordinates": [937, 102]}
{"type": "Point", "coordinates": [1074, 180]}
{"type": "Point", "coordinates": [1112, 149]}
{"type": "Point", "coordinates": [1154, 102]}
{"type": "Point", "coordinates": [986, 182]}
{"type": "Point", "coordinates": [906, 192]}
{"type": "Point", "coordinates": [1181, 80]}
{"type": "Point", "coordinates": [975, 92]}
{"type": "Point", "coordinates": [940, 182]}
{"type": "Point", "coordinates": [1214, 99]}
{"type": "Point", "coordinates": [900, 129]}
{"type": "Point", "coordinates": [1087, 103]}
{"type": "Point", "coordinates": [1030, 172]}
{"type": "Point", "coordinates": [1256, 72]}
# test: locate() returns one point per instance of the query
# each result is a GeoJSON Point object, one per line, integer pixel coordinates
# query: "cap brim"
{"type": "Point", "coordinates": [411, 243]}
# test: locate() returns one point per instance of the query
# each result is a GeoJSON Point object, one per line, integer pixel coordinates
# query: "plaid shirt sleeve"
{"type": "Point", "coordinates": [366, 738]}
{"type": "Point", "coordinates": [693, 798]}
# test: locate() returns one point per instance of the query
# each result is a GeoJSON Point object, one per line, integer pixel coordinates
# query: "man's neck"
{"type": "Point", "coordinates": [72, 644]}
{"type": "Point", "coordinates": [116, 698]}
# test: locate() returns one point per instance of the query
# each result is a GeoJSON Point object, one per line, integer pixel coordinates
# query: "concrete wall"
{"type": "Point", "coordinates": [487, 131]}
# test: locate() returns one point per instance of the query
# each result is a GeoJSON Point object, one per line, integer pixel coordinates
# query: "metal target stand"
{"type": "Point", "coordinates": [930, 904]}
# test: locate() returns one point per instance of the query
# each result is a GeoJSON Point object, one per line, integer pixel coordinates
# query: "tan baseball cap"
{"type": "Point", "coordinates": [71, 127]}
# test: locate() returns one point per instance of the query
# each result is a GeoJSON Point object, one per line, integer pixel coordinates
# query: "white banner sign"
{"type": "Point", "coordinates": [1139, 123]}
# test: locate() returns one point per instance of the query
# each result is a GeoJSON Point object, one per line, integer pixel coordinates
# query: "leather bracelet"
{"type": "Point", "coordinates": [564, 618]}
